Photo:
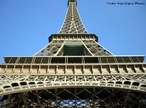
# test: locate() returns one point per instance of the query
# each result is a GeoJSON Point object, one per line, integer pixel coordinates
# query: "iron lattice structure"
{"type": "Point", "coordinates": [73, 71]}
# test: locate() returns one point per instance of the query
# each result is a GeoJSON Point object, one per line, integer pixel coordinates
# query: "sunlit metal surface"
{"type": "Point", "coordinates": [73, 71]}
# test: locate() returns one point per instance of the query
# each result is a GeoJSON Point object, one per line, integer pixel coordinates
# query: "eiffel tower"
{"type": "Point", "coordinates": [73, 71]}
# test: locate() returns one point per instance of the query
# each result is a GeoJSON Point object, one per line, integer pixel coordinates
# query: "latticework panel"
{"type": "Point", "coordinates": [51, 49]}
{"type": "Point", "coordinates": [72, 23]}
{"type": "Point", "coordinates": [20, 83]}
{"type": "Point", "coordinates": [57, 48]}
{"type": "Point", "coordinates": [75, 98]}
{"type": "Point", "coordinates": [73, 71]}
{"type": "Point", "coordinates": [96, 49]}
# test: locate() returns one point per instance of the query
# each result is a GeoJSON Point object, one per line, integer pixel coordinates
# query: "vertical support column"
{"type": "Point", "coordinates": [39, 69]}
{"type": "Point", "coordinates": [65, 70]}
{"type": "Point", "coordinates": [84, 69]}
{"type": "Point", "coordinates": [24, 99]}
{"type": "Point", "coordinates": [13, 70]}
{"type": "Point", "coordinates": [57, 104]}
{"type": "Point", "coordinates": [21, 70]}
{"type": "Point", "coordinates": [56, 70]}
{"type": "Point", "coordinates": [93, 98]}
{"type": "Point", "coordinates": [38, 99]}
{"type": "Point", "coordinates": [30, 69]}
{"type": "Point", "coordinates": [74, 71]}
{"type": "Point", "coordinates": [47, 70]}
{"type": "Point", "coordinates": [111, 98]}
{"type": "Point", "coordinates": [19, 101]}
{"type": "Point", "coordinates": [75, 96]}
{"type": "Point", "coordinates": [126, 97]}
{"type": "Point", "coordinates": [8, 101]}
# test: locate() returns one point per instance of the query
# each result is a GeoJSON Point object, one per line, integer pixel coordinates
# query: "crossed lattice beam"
{"type": "Point", "coordinates": [94, 97]}
{"type": "Point", "coordinates": [72, 23]}
{"type": "Point", "coordinates": [19, 83]}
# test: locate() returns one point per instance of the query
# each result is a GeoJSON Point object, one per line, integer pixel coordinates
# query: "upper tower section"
{"type": "Point", "coordinates": [72, 1]}
{"type": "Point", "coordinates": [72, 23]}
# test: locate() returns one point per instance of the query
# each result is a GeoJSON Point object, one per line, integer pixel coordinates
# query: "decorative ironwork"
{"type": "Point", "coordinates": [73, 71]}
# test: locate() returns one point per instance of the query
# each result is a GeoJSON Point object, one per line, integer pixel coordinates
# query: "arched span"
{"type": "Point", "coordinates": [30, 86]}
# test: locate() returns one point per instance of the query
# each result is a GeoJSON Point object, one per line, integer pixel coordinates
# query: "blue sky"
{"type": "Point", "coordinates": [25, 25]}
